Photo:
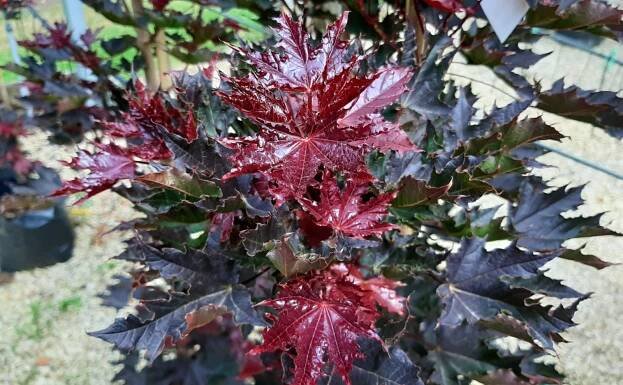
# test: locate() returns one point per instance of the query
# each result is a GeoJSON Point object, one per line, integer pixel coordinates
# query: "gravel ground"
{"type": "Point", "coordinates": [46, 312]}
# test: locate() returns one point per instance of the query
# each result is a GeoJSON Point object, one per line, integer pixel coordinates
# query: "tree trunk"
{"type": "Point", "coordinates": [145, 46]}
{"type": "Point", "coordinates": [415, 20]}
{"type": "Point", "coordinates": [164, 62]}
{"type": "Point", "coordinates": [4, 92]}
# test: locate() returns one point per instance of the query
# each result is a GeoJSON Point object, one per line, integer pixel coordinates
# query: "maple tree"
{"type": "Point", "coordinates": [316, 219]}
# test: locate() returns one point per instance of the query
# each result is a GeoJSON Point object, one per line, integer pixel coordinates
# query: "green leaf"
{"type": "Point", "coordinates": [414, 193]}
{"type": "Point", "coordinates": [289, 257]}
{"type": "Point", "coordinates": [193, 188]}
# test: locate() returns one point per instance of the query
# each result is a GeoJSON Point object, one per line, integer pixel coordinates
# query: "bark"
{"type": "Point", "coordinates": [164, 62]}
{"type": "Point", "coordinates": [145, 46]}
{"type": "Point", "coordinates": [415, 19]}
{"type": "Point", "coordinates": [4, 92]}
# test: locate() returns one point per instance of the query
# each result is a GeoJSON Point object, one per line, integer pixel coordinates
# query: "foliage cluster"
{"type": "Point", "coordinates": [318, 217]}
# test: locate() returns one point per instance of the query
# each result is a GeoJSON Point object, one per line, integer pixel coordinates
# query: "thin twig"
{"type": "Point", "coordinates": [582, 161]}
{"type": "Point", "coordinates": [256, 275]}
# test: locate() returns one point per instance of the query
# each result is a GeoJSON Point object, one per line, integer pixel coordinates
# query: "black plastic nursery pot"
{"type": "Point", "coordinates": [35, 238]}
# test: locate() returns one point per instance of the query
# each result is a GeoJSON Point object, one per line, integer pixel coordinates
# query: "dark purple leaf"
{"type": "Point", "coordinates": [538, 217]}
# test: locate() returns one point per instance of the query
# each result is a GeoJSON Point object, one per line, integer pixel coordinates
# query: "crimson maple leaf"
{"type": "Point", "coordinates": [382, 290]}
{"type": "Point", "coordinates": [143, 144]}
{"type": "Point", "coordinates": [148, 113]}
{"type": "Point", "coordinates": [8, 130]}
{"type": "Point", "coordinates": [106, 167]}
{"type": "Point", "coordinates": [151, 112]}
{"type": "Point", "coordinates": [142, 128]}
{"type": "Point", "coordinates": [450, 6]}
{"type": "Point", "coordinates": [58, 37]}
{"type": "Point", "coordinates": [314, 234]}
{"type": "Point", "coordinates": [311, 109]}
{"type": "Point", "coordinates": [321, 316]}
{"type": "Point", "coordinates": [159, 5]}
{"type": "Point", "coordinates": [346, 211]}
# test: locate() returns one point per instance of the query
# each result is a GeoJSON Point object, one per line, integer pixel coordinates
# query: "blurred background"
{"type": "Point", "coordinates": [46, 312]}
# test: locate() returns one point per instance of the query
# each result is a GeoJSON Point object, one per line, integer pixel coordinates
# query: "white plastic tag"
{"type": "Point", "coordinates": [504, 15]}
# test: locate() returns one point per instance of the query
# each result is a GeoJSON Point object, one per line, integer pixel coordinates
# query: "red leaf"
{"type": "Point", "coordinates": [58, 37]}
{"type": "Point", "coordinates": [450, 6]}
{"type": "Point", "coordinates": [106, 167]}
{"type": "Point", "coordinates": [384, 90]}
{"type": "Point", "coordinates": [16, 160]}
{"type": "Point", "coordinates": [314, 234]}
{"type": "Point", "coordinates": [382, 290]}
{"type": "Point", "coordinates": [151, 112]}
{"type": "Point", "coordinates": [223, 224]}
{"type": "Point", "coordinates": [346, 211]}
{"type": "Point", "coordinates": [208, 71]}
{"type": "Point", "coordinates": [190, 132]}
{"type": "Point", "coordinates": [297, 98]}
{"type": "Point", "coordinates": [8, 130]}
{"type": "Point", "coordinates": [143, 128]}
{"type": "Point", "coordinates": [147, 115]}
{"type": "Point", "coordinates": [320, 316]}
{"type": "Point", "coordinates": [143, 144]}
{"type": "Point", "coordinates": [160, 5]}
{"type": "Point", "coordinates": [251, 365]}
